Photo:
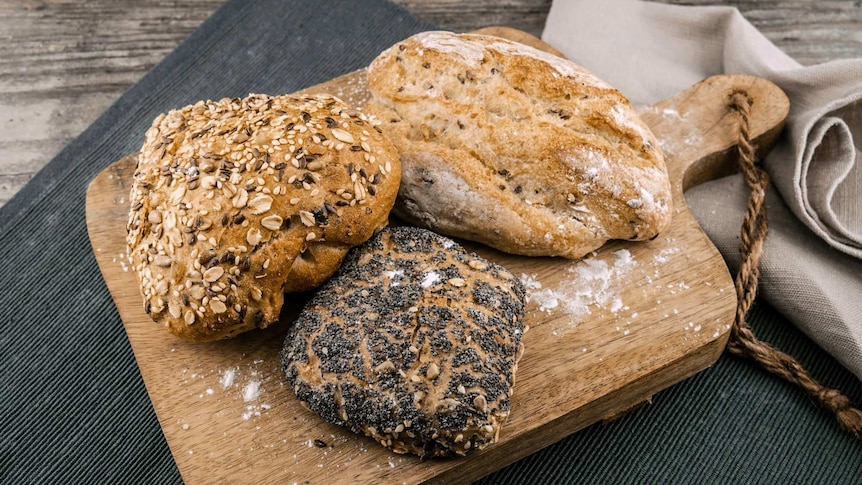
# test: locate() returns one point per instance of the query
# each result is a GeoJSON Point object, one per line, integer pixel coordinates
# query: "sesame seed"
{"type": "Point", "coordinates": [311, 236]}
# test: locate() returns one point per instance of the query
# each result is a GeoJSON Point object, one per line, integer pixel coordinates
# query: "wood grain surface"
{"type": "Point", "coordinates": [63, 62]}
{"type": "Point", "coordinates": [655, 313]}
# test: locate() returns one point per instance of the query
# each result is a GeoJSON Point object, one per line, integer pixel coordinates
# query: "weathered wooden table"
{"type": "Point", "coordinates": [63, 62]}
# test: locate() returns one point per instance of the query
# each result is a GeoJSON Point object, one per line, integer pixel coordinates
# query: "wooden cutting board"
{"type": "Point", "coordinates": [606, 333]}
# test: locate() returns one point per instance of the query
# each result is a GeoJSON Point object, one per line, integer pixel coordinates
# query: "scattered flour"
{"type": "Point", "coordinates": [430, 279]}
{"type": "Point", "coordinates": [251, 391]}
{"type": "Point", "coordinates": [254, 411]}
{"type": "Point", "coordinates": [665, 255]}
{"type": "Point", "coordinates": [590, 284]}
{"type": "Point", "coordinates": [248, 385]}
{"type": "Point", "coordinates": [227, 378]}
{"type": "Point", "coordinates": [394, 276]}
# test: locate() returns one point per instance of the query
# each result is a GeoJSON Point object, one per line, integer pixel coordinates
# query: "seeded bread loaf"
{"type": "Point", "coordinates": [518, 149]}
{"type": "Point", "coordinates": [413, 342]}
{"type": "Point", "coordinates": [238, 201]}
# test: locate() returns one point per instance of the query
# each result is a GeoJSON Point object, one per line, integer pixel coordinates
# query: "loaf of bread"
{"type": "Point", "coordinates": [238, 201]}
{"type": "Point", "coordinates": [413, 342]}
{"type": "Point", "coordinates": [518, 149]}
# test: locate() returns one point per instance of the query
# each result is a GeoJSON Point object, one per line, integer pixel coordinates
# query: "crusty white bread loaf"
{"type": "Point", "coordinates": [238, 201]}
{"type": "Point", "coordinates": [413, 342]}
{"type": "Point", "coordinates": [518, 149]}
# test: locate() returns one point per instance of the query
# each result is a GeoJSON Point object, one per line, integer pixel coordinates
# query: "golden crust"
{"type": "Point", "coordinates": [512, 147]}
{"type": "Point", "coordinates": [237, 201]}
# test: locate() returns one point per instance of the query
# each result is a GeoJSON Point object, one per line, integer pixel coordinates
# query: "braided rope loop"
{"type": "Point", "coordinates": [743, 342]}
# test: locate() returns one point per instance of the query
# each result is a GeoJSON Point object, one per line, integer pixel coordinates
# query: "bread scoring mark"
{"type": "Point", "coordinates": [446, 42]}
{"type": "Point", "coordinates": [473, 49]}
{"type": "Point", "coordinates": [622, 116]}
{"type": "Point", "coordinates": [218, 166]}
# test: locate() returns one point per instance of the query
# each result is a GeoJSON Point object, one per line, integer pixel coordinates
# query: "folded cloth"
{"type": "Point", "coordinates": [652, 51]}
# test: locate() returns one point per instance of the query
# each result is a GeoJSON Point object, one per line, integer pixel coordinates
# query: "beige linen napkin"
{"type": "Point", "coordinates": [811, 269]}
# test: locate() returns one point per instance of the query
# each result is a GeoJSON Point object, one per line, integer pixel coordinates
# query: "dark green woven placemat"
{"type": "Point", "coordinates": [74, 408]}
{"type": "Point", "coordinates": [730, 424]}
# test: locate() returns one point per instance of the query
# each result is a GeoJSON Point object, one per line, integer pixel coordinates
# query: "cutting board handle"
{"type": "Point", "coordinates": [700, 129]}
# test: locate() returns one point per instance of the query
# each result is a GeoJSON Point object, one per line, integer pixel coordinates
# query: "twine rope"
{"type": "Point", "coordinates": [743, 342]}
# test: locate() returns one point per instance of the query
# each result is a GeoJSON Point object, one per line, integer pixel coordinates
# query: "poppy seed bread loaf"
{"type": "Point", "coordinates": [414, 342]}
